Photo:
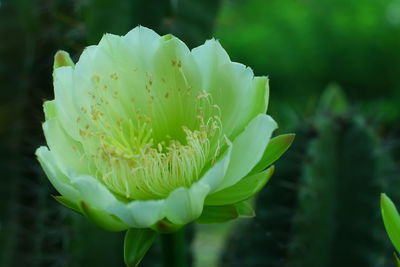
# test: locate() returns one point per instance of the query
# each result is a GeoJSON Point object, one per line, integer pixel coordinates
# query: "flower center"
{"type": "Point", "coordinates": [146, 151]}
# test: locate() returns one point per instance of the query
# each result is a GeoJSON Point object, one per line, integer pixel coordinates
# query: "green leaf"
{"type": "Point", "coordinates": [102, 218]}
{"type": "Point", "coordinates": [137, 242]}
{"type": "Point", "coordinates": [245, 210]}
{"type": "Point", "coordinates": [391, 219]}
{"type": "Point", "coordinates": [244, 189]}
{"type": "Point", "coordinates": [275, 148]}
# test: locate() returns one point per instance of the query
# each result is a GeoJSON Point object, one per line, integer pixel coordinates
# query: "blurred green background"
{"type": "Point", "coordinates": [334, 67]}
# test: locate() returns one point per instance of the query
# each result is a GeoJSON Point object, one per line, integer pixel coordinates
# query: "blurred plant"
{"type": "Point", "coordinates": [335, 172]}
{"type": "Point", "coordinates": [305, 45]}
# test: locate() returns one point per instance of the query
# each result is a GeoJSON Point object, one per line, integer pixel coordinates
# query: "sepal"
{"type": "Point", "coordinates": [275, 149]}
{"type": "Point", "coordinates": [244, 189]}
{"type": "Point", "coordinates": [136, 243]}
{"type": "Point", "coordinates": [102, 219]}
{"type": "Point", "coordinates": [166, 227]}
{"type": "Point", "coordinates": [67, 203]}
{"type": "Point", "coordinates": [221, 214]}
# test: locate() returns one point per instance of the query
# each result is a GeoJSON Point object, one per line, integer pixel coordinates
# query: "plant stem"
{"type": "Point", "coordinates": [174, 249]}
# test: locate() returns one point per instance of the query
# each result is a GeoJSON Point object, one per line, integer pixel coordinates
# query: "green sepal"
{"type": "Point", "coordinates": [391, 220]}
{"type": "Point", "coordinates": [67, 203]}
{"type": "Point", "coordinates": [275, 148]}
{"type": "Point", "coordinates": [136, 243]}
{"type": "Point", "coordinates": [244, 189]}
{"type": "Point", "coordinates": [62, 59]}
{"type": "Point", "coordinates": [220, 214]}
{"type": "Point", "coordinates": [102, 219]}
{"type": "Point", "coordinates": [245, 210]}
{"type": "Point", "coordinates": [166, 227]}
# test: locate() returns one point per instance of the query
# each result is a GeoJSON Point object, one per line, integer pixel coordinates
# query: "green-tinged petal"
{"type": "Point", "coordinates": [244, 189]}
{"type": "Point", "coordinates": [184, 205]}
{"type": "Point", "coordinates": [176, 84]}
{"type": "Point", "coordinates": [143, 42]}
{"type": "Point", "coordinates": [66, 150]}
{"type": "Point", "coordinates": [62, 59]}
{"type": "Point", "coordinates": [102, 219]}
{"type": "Point", "coordinates": [232, 87]}
{"type": "Point", "coordinates": [391, 219]}
{"type": "Point", "coordinates": [97, 198]}
{"type": "Point", "coordinates": [57, 178]}
{"type": "Point", "coordinates": [49, 108]}
{"type": "Point", "coordinates": [216, 173]}
{"type": "Point", "coordinates": [248, 149]}
{"type": "Point", "coordinates": [137, 242]}
{"type": "Point", "coordinates": [275, 149]}
{"type": "Point", "coordinates": [218, 214]}
{"type": "Point", "coordinates": [63, 82]}
{"type": "Point", "coordinates": [260, 90]}
{"type": "Point", "coordinates": [146, 213]}
{"type": "Point", "coordinates": [245, 209]}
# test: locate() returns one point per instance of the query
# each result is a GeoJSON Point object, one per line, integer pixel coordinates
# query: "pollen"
{"type": "Point", "coordinates": [145, 147]}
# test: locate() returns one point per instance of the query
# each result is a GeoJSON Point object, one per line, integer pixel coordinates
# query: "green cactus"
{"type": "Point", "coordinates": [337, 222]}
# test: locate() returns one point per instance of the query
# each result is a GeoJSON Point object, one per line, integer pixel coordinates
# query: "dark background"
{"type": "Point", "coordinates": [334, 67]}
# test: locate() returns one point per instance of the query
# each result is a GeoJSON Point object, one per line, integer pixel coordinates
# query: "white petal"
{"type": "Point", "coordinates": [248, 149]}
{"type": "Point", "coordinates": [146, 213]}
{"type": "Point", "coordinates": [58, 179]}
{"type": "Point", "coordinates": [185, 205]}
{"type": "Point", "coordinates": [231, 86]}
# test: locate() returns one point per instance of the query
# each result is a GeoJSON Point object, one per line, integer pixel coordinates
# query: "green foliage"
{"type": "Point", "coordinates": [306, 45]}
{"type": "Point", "coordinates": [337, 222]}
{"type": "Point", "coordinates": [190, 20]}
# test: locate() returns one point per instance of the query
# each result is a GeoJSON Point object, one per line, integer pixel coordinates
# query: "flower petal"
{"type": "Point", "coordinates": [65, 149]}
{"type": "Point", "coordinates": [185, 205]}
{"type": "Point", "coordinates": [63, 82]}
{"type": "Point", "coordinates": [233, 87]}
{"type": "Point", "coordinates": [57, 178]}
{"type": "Point", "coordinates": [216, 173]}
{"type": "Point", "coordinates": [248, 149]}
{"type": "Point", "coordinates": [98, 198]}
{"type": "Point", "coordinates": [146, 213]}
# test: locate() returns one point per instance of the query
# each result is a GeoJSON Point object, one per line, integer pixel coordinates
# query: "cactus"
{"type": "Point", "coordinates": [337, 222]}
{"type": "Point", "coordinates": [321, 208]}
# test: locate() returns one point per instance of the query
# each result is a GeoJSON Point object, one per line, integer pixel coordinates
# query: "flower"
{"type": "Point", "coordinates": [145, 133]}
